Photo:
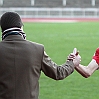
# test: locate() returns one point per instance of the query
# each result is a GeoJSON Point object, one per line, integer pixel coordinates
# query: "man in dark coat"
{"type": "Point", "coordinates": [22, 61]}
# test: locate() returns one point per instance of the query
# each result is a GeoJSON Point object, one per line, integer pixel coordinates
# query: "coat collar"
{"type": "Point", "coordinates": [14, 38]}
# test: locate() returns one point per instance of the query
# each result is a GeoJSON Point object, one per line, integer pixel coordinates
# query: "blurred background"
{"type": "Point", "coordinates": [52, 8]}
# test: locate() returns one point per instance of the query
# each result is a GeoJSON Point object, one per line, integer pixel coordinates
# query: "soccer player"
{"type": "Point", "coordinates": [87, 71]}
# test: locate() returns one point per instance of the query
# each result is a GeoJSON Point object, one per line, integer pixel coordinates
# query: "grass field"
{"type": "Point", "coordinates": [59, 40]}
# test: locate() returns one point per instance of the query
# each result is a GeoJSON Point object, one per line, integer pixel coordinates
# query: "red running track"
{"type": "Point", "coordinates": [63, 20]}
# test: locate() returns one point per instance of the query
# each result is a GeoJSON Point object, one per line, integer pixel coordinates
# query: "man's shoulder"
{"type": "Point", "coordinates": [35, 43]}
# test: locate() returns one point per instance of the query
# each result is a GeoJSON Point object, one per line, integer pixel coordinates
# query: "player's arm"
{"type": "Point", "coordinates": [87, 71]}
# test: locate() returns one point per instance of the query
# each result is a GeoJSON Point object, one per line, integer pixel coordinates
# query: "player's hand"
{"type": "Point", "coordinates": [77, 58]}
{"type": "Point", "coordinates": [72, 55]}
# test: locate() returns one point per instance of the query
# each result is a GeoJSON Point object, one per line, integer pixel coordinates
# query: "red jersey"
{"type": "Point", "coordinates": [96, 56]}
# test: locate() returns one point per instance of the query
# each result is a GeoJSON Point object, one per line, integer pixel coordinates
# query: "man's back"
{"type": "Point", "coordinates": [20, 66]}
{"type": "Point", "coordinates": [21, 61]}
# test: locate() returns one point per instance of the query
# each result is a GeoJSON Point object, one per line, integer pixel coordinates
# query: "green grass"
{"type": "Point", "coordinates": [59, 40]}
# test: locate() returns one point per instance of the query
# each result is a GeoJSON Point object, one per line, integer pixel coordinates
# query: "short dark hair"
{"type": "Point", "coordinates": [10, 20]}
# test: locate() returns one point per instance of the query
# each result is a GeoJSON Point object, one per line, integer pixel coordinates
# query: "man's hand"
{"type": "Point", "coordinates": [71, 56]}
{"type": "Point", "coordinates": [77, 58]}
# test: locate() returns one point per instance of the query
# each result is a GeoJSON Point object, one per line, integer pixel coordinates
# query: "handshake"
{"type": "Point", "coordinates": [75, 57]}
